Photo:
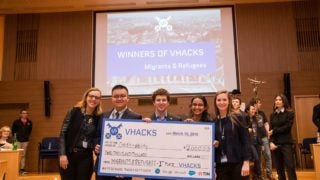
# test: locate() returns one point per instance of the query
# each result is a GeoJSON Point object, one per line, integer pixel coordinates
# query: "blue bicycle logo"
{"type": "Point", "coordinates": [114, 131]}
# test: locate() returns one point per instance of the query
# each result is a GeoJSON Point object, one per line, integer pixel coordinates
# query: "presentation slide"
{"type": "Point", "coordinates": [186, 51]}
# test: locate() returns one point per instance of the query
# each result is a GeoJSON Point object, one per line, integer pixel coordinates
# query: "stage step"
{"type": "Point", "coordinates": [303, 175]}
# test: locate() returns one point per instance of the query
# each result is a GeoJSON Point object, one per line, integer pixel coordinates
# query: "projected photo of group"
{"type": "Point", "coordinates": [185, 51]}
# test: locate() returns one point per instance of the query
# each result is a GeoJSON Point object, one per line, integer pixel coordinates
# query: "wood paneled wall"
{"type": "Point", "coordinates": [1, 43]}
{"type": "Point", "coordinates": [267, 48]}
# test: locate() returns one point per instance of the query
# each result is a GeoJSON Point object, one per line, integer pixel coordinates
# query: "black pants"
{"type": "Point", "coordinates": [111, 178]}
{"type": "Point", "coordinates": [256, 151]}
{"type": "Point", "coordinates": [230, 171]}
{"type": "Point", "coordinates": [80, 166]}
{"type": "Point", "coordinates": [284, 159]}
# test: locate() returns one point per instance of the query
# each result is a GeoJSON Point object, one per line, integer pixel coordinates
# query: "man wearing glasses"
{"type": "Point", "coordinates": [120, 110]}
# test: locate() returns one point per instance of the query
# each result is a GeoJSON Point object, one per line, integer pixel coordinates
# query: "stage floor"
{"type": "Point", "coordinates": [302, 174]}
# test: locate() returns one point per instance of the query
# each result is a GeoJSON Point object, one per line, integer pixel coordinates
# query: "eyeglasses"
{"type": "Point", "coordinates": [93, 96]}
{"type": "Point", "coordinates": [119, 96]}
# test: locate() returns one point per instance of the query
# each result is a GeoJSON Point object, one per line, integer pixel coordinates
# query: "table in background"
{"type": "Point", "coordinates": [316, 159]}
{"type": "Point", "coordinates": [13, 163]}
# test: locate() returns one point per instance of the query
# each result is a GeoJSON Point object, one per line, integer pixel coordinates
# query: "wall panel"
{"type": "Point", "coordinates": [266, 38]}
{"type": "Point", "coordinates": [65, 46]}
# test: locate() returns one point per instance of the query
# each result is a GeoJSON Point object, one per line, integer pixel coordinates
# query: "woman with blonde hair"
{"type": "Point", "coordinates": [78, 137]}
{"type": "Point", "coordinates": [5, 133]}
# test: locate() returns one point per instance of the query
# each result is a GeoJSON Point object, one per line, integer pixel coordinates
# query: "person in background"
{"type": "Point", "coordinates": [22, 129]}
{"type": "Point", "coordinates": [199, 110]}
{"type": "Point", "coordinates": [120, 110]}
{"type": "Point", "coordinates": [232, 141]}
{"type": "Point", "coordinates": [316, 116]}
{"type": "Point", "coordinates": [263, 134]}
{"type": "Point", "coordinates": [281, 121]}
{"type": "Point", "coordinates": [253, 129]}
{"type": "Point", "coordinates": [5, 133]}
{"type": "Point", "coordinates": [235, 105]}
{"type": "Point", "coordinates": [248, 115]}
{"type": "Point", "coordinates": [78, 137]}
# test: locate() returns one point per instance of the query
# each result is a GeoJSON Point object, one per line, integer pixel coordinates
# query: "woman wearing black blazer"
{"type": "Point", "coordinates": [232, 153]}
{"type": "Point", "coordinates": [281, 121]}
{"type": "Point", "coordinates": [78, 137]}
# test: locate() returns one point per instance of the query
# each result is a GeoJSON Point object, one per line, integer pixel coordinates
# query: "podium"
{"type": "Point", "coordinates": [316, 159]}
{"type": "Point", "coordinates": [13, 162]}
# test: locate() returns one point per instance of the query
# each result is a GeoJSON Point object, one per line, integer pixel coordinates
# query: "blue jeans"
{"type": "Point", "coordinates": [267, 154]}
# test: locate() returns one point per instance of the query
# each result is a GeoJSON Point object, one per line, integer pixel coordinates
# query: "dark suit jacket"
{"type": "Point", "coordinates": [128, 114]}
{"type": "Point", "coordinates": [281, 125]}
{"type": "Point", "coordinates": [170, 117]}
{"type": "Point", "coordinates": [316, 116]}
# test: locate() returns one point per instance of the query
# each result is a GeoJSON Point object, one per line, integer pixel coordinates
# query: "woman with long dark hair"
{"type": "Point", "coordinates": [281, 121]}
{"type": "Point", "coordinates": [199, 110]}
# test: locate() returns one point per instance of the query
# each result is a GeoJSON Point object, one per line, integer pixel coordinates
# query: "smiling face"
{"type": "Point", "coordinates": [252, 111]}
{"type": "Point", "coordinates": [161, 103]}
{"type": "Point", "coordinates": [5, 133]}
{"type": "Point", "coordinates": [119, 99]}
{"type": "Point", "coordinates": [222, 103]}
{"type": "Point", "coordinates": [93, 99]}
{"type": "Point", "coordinates": [197, 107]}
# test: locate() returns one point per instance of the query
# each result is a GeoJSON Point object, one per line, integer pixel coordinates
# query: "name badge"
{"type": "Point", "coordinates": [84, 144]}
{"type": "Point", "coordinates": [224, 158]}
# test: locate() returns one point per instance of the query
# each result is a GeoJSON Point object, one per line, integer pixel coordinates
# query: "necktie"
{"type": "Point", "coordinates": [117, 115]}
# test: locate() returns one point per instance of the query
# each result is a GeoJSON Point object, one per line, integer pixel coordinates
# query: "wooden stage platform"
{"type": "Point", "coordinates": [302, 175]}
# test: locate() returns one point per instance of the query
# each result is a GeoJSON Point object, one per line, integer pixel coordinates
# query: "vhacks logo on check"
{"type": "Point", "coordinates": [114, 131]}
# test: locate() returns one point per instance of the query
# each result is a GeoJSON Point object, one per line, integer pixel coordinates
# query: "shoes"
{"type": "Point", "coordinates": [270, 177]}
{"type": "Point", "coordinates": [22, 172]}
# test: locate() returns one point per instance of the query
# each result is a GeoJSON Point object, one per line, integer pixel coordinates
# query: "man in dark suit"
{"type": "Point", "coordinates": [120, 110]}
{"type": "Point", "coordinates": [316, 115]}
{"type": "Point", "coordinates": [161, 102]}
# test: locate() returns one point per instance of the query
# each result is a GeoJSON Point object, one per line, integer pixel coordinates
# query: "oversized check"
{"type": "Point", "coordinates": [170, 150]}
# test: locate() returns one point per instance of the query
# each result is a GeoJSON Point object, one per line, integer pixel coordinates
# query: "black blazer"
{"type": "Point", "coordinates": [170, 117]}
{"type": "Point", "coordinates": [70, 130]}
{"type": "Point", "coordinates": [281, 125]}
{"type": "Point", "coordinates": [316, 116]}
{"type": "Point", "coordinates": [127, 114]}
{"type": "Point", "coordinates": [237, 140]}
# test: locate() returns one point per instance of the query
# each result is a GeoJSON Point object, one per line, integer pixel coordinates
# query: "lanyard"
{"type": "Point", "coordinates": [221, 129]}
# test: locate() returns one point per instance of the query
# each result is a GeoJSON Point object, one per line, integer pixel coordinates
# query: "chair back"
{"type": "Point", "coordinates": [306, 142]}
{"type": "Point", "coordinates": [50, 143]}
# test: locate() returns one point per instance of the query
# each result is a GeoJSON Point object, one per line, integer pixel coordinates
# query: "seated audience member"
{"type": "Point", "coordinates": [5, 132]}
